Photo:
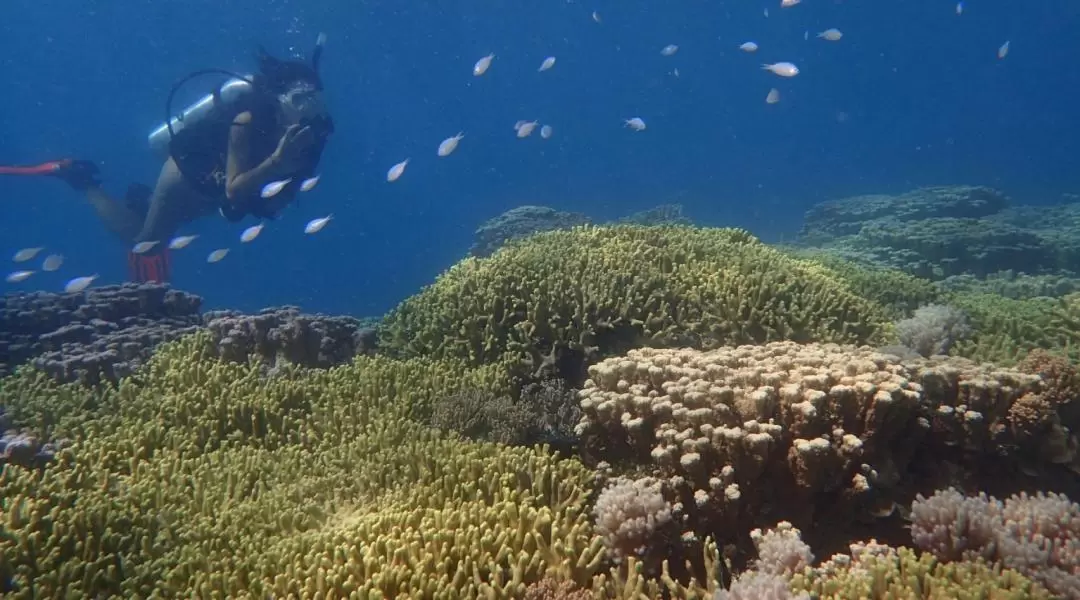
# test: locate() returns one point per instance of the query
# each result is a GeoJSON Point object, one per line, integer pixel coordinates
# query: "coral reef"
{"type": "Point", "coordinates": [933, 329]}
{"type": "Point", "coordinates": [811, 433]}
{"type": "Point", "coordinates": [945, 232]}
{"type": "Point", "coordinates": [520, 222]}
{"type": "Point", "coordinates": [1010, 284]}
{"type": "Point", "coordinates": [872, 571]}
{"type": "Point", "coordinates": [1038, 536]}
{"type": "Point", "coordinates": [523, 221]}
{"type": "Point", "coordinates": [846, 216]}
{"type": "Point", "coordinates": [630, 515]}
{"type": "Point", "coordinates": [878, 572]}
{"type": "Point", "coordinates": [104, 334]}
{"type": "Point", "coordinates": [206, 478]}
{"type": "Point", "coordinates": [664, 214]}
{"type": "Point", "coordinates": [729, 397]}
{"type": "Point", "coordinates": [286, 336]}
{"type": "Point", "coordinates": [101, 334]}
{"type": "Point", "coordinates": [546, 413]}
{"type": "Point", "coordinates": [561, 300]}
{"type": "Point", "coordinates": [1004, 330]}
{"type": "Point", "coordinates": [23, 448]}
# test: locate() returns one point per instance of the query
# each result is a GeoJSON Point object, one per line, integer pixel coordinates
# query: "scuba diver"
{"type": "Point", "coordinates": [222, 151]}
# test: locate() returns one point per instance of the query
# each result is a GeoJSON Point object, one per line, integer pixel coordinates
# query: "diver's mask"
{"type": "Point", "coordinates": [303, 104]}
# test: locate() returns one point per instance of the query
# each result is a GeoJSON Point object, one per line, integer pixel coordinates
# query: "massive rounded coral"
{"type": "Point", "coordinates": [560, 300]}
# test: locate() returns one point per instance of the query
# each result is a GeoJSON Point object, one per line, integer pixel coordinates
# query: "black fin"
{"type": "Point", "coordinates": [138, 198]}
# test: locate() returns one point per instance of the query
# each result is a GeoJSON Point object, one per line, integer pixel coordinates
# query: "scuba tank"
{"type": "Point", "coordinates": [232, 91]}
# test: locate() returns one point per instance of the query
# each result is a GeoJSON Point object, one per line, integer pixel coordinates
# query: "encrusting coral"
{"type": "Point", "coordinates": [206, 478]}
{"type": "Point", "coordinates": [558, 301]}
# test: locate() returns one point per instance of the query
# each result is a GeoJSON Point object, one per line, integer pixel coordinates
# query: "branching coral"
{"type": "Point", "coordinates": [1038, 536]}
{"type": "Point", "coordinates": [933, 329]}
{"type": "Point", "coordinates": [630, 515]}
{"type": "Point", "coordinates": [560, 300]}
{"type": "Point", "coordinates": [204, 478]}
{"type": "Point", "coordinates": [794, 429]}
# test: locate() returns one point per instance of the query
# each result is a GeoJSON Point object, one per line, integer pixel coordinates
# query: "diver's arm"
{"type": "Point", "coordinates": [242, 179]}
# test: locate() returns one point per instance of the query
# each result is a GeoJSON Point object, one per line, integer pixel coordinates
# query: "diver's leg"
{"type": "Point", "coordinates": [82, 176]}
{"type": "Point", "coordinates": [118, 218]}
{"type": "Point", "coordinates": [172, 204]}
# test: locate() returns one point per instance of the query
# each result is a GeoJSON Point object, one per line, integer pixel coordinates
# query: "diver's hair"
{"type": "Point", "coordinates": [277, 76]}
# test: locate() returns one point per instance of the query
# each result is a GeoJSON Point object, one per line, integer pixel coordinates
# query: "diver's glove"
{"type": "Point", "coordinates": [81, 175]}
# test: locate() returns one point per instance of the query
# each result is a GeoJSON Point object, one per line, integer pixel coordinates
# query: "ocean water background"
{"type": "Point", "coordinates": [912, 95]}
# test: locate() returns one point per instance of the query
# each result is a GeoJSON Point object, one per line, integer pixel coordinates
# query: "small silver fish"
{"type": "Point", "coordinates": [274, 188]}
{"type": "Point", "coordinates": [217, 255]}
{"type": "Point", "coordinates": [635, 123]}
{"type": "Point", "coordinates": [79, 284]}
{"type": "Point", "coordinates": [669, 50]}
{"type": "Point", "coordinates": [26, 254]}
{"type": "Point", "coordinates": [316, 225]}
{"type": "Point", "coordinates": [748, 47]}
{"type": "Point", "coordinates": [450, 144]}
{"type": "Point", "coordinates": [251, 233]}
{"type": "Point", "coordinates": [52, 262]}
{"type": "Point", "coordinates": [526, 129]}
{"type": "Point", "coordinates": [309, 184]}
{"type": "Point", "coordinates": [397, 170]}
{"type": "Point", "coordinates": [546, 132]}
{"type": "Point", "coordinates": [547, 64]}
{"type": "Point", "coordinates": [482, 65]}
{"type": "Point", "coordinates": [144, 247]}
{"type": "Point", "coordinates": [831, 35]}
{"type": "Point", "coordinates": [181, 241]}
{"type": "Point", "coordinates": [17, 276]}
{"type": "Point", "coordinates": [783, 69]}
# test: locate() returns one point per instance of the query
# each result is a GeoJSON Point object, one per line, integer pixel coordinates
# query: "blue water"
{"type": "Point", "coordinates": [912, 95]}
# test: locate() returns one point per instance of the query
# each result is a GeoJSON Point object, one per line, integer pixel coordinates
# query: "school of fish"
{"type": "Point", "coordinates": [523, 129]}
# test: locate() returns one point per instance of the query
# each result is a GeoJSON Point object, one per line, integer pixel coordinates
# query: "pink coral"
{"type": "Point", "coordinates": [628, 514]}
{"type": "Point", "coordinates": [759, 586]}
{"type": "Point", "coordinates": [1037, 535]}
{"type": "Point", "coordinates": [781, 550]}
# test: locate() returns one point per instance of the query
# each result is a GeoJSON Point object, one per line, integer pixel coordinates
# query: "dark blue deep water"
{"type": "Point", "coordinates": [912, 95]}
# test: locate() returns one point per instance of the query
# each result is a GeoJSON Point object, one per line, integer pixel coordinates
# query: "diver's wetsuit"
{"type": "Point", "coordinates": [195, 180]}
{"type": "Point", "coordinates": [192, 182]}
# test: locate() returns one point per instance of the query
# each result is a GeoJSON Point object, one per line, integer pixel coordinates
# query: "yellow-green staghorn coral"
{"type": "Point", "coordinates": [559, 300]}
{"type": "Point", "coordinates": [1005, 330]}
{"type": "Point", "coordinates": [875, 572]}
{"type": "Point", "coordinates": [204, 479]}
{"type": "Point", "coordinates": [897, 291]}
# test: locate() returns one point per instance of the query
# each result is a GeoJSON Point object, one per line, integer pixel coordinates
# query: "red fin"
{"type": "Point", "coordinates": [156, 267]}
